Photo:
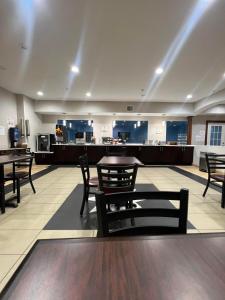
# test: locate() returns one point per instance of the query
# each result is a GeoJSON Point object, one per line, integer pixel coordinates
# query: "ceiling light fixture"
{"type": "Point", "coordinates": [189, 96]}
{"type": "Point", "coordinates": [224, 75]}
{"type": "Point", "coordinates": [75, 69]}
{"type": "Point", "coordinates": [88, 94]}
{"type": "Point", "coordinates": [159, 71]}
{"type": "Point", "coordinates": [40, 93]}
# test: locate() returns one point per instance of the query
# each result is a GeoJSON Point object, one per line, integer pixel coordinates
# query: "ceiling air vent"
{"type": "Point", "coordinates": [130, 108]}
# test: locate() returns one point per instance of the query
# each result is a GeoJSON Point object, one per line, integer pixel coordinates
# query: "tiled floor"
{"type": "Point", "coordinates": [21, 227]}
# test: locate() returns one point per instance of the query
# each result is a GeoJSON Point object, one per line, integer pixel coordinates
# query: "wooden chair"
{"type": "Point", "coordinates": [25, 173]}
{"type": "Point", "coordinates": [105, 217]}
{"type": "Point", "coordinates": [88, 182]}
{"type": "Point", "coordinates": [117, 179]}
{"type": "Point", "coordinates": [215, 163]}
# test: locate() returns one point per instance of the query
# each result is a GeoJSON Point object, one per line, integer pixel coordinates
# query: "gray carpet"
{"type": "Point", "coordinates": [68, 217]}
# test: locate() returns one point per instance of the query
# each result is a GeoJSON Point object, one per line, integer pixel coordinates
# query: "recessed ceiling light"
{"type": "Point", "coordinates": [224, 75]}
{"type": "Point", "coordinates": [75, 69]}
{"type": "Point", "coordinates": [189, 96]}
{"type": "Point", "coordinates": [40, 93]}
{"type": "Point", "coordinates": [159, 71]}
{"type": "Point", "coordinates": [88, 94]}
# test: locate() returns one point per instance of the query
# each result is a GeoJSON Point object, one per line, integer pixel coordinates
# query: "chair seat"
{"type": "Point", "coordinates": [93, 181]}
{"type": "Point", "coordinates": [218, 177]}
{"type": "Point", "coordinates": [21, 174]}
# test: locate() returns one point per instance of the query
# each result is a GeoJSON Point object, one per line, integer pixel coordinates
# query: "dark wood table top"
{"type": "Point", "coordinates": [7, 159]}
{"type": "Point", "coordinates": [120, 160]}
{"type": "Point", "coordinates": [171, 268]}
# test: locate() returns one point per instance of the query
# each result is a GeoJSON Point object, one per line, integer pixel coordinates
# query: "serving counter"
{"type": "Point", "coordinates": [147, 154]}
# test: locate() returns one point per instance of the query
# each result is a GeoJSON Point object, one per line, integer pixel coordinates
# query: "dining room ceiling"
{"type": "Point", "coordinates": [117, 45]}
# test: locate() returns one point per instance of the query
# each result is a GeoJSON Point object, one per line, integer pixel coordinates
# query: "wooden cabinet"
{"type": "Point", "coordinates": [95, 153]}
{"type": "Point", "coordinates": [149, 155]}
{"type": "Point", "coordinates": [44, 158]}
{"type": "Point", "coordinates": [68, 155]}
{"type": "Point", "coordinates": [185, 155]}
{"type": "Point", "coordinates": [166, 155]}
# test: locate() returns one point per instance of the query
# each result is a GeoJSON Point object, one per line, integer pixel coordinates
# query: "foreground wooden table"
{"type": "Point", "coordinates": [153, 268]}
{"type": "Point", "coordinates": [120, 160]}
{"type": "Point", "coordinates": [4, 160]}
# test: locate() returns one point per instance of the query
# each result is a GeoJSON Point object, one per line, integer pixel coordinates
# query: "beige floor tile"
{"type": "Point", "coordinates": [6, 263]}
{"type": "Point", "coordinates": [58, 234]}
{"type": "Point", "coordinates": [212, 230]}
{"type": "Point", "coordinates": [16, 241]}
{"type": "Point", "coordinates": [11, 271]}
{"type": "Point", "coordinates": [37, 208]}
{"type": "Point", "coordinates": [200, 207]}
{"type": "Point", "coordinates": [207, 221]}
{"type": "Point", "coordinates": [15, 221]}
{"type": "Point", "coordinates": [192, 231]}
{"type": "Point", "coordinates": [49, 199]}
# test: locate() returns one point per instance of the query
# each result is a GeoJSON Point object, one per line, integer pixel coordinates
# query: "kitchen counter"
{"type": "Point", "coordinates": [123, 145]}
{"type": "Point", "coordinates": [147, 154]}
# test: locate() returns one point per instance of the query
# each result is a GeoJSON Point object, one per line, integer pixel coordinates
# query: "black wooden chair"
{"type": "Point", "coordinates": [26, 173]}
{"type": "Point", "coordinates": [216, 163]}
{"type": "Point", "coordinates": [88, 182]}
{"type": "Point", "coordinates": [106, 218]}
{"type": "Point", "coordinates": [117, 179]}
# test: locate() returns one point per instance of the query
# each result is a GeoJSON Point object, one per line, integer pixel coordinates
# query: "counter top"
{"type": "Point", "coordinates": [123, 145]}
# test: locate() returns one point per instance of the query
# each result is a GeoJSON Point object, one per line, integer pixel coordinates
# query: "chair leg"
{"type": "Point", "coordinates": [85, 199]}
{"type": "Point", "coordinates": [31, 183]}
{"type": "Point", "coordinates": [18, 190]}
{"type": "Point", "coordinates": [206, 188]}
{"type": "Point", "coordinates": [223, 196]}
{"type": "Point", "coordinates": [14, 185]}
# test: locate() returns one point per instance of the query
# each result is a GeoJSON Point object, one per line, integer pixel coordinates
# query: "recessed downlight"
{"type": "Point", "coordinates": [224, 75]}
{"type": "Point", "coordinates": [88, 94]}
{"type": "Point", "coordinates": [159, 71]}
{"type": "Point", "coordinates": [189, 96]}
{"type": "Point", "coordinates": [40, 93]}
{"type": "Point", "coordinates": [75, 69]}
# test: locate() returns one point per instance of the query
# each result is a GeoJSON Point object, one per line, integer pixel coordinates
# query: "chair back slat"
{"type": "Point", "coordinates": [215, 161]}
{"type": "Point", "coordinates": [83, 160]}
{"type": "Point", "coordinates": [114, 179]}
{"type": "Point", "coordinates": [105, 217]}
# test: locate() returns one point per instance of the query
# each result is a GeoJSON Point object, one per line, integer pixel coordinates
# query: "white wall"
{"type": "Point", "coordinates": [35, 121]}
{"type": "Point", "coordinates": [199, 127]}
{"type": "Point", "coordinates": [8, 114]}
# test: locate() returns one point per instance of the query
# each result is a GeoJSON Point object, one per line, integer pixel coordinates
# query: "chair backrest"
{"type": "Point", "coordinates": [115, 179]}
{"type": "Point", "coordinates": [105, 217]}
{"type": "Point", "coordinates": [28, 163]}
{"type": "Point", "coordinates": [83, 160]}
{"type": "Point", "coordinates": [215, 162]}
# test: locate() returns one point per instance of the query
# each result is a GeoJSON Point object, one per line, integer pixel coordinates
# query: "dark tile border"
{"type": "Point", "coordinates": [194, 177]}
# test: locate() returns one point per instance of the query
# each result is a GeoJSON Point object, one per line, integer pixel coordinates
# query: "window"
{"type": "Point", "coordinates": [176, 131]}
{"type": "Point", "coordinates": [215, 135]}
{"type": "Point", "coordinates": [131, 131]}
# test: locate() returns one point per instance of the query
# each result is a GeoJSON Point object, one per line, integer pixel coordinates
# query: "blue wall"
{"type": "Point", "coordinates": [175, 128]}
{"type": "Point", "coordinates": [135, 135]}
{"type": "Point", "coordinates": [77, 126]}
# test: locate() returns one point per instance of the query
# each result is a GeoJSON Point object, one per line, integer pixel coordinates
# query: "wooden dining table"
{"type": "Point", "coordinates": [4, 160]}
{"type": "Point", "coordinates": [119, 160]}
{"type": "Point", "coordinates": [146, 268]}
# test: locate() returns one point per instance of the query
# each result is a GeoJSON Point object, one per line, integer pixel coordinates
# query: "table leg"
{"type": "Point", "coordinates": [2, 189]}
